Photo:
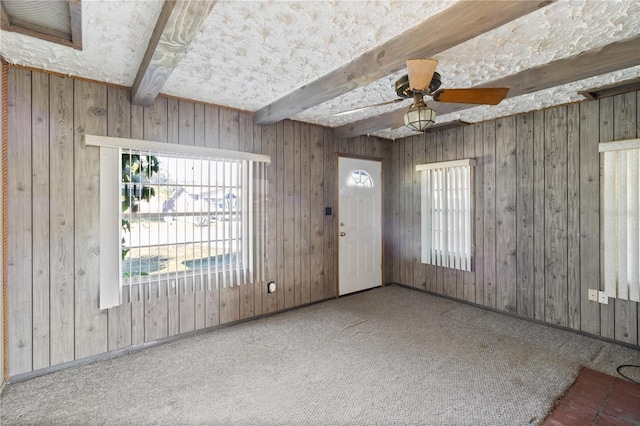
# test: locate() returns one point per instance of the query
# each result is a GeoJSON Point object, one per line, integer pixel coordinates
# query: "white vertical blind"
{"type": "Point", "coordinates": [205, 222]}
{"type": "Point", "coordinates": [621, 219]}
{"type": "Point", "coordinates": [110, 267]}
{"type": "Point", "coordinates": [446, 210]}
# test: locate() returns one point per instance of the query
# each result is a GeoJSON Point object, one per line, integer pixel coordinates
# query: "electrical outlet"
{"type": "Point", "coordinates": [593, 295]}
{"type": "Point", "coordinates": [602, 298]}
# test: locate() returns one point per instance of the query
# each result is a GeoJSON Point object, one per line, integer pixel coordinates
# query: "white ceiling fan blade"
{"type": "Point", "coordinates": [399, 121]}
{"type": "Point", "coordinates": [351, 111]}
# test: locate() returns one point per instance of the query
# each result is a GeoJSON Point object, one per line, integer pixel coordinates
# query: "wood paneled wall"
{"type": "Point", "coordinates": [53, 218]}
{"type": "Point", "coordinates": [537, 214]}
{"type": "Point", "coordinates": [2, 129]}
{"type": "Point", "coordinates": [537, 241]}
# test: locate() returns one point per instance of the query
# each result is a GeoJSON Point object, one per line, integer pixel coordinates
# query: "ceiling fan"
{"type": "Point", "coordinates": [423, 80]}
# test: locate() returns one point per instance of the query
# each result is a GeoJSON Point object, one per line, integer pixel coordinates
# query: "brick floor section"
{"type": "Point", "coordinates": [597, 399]}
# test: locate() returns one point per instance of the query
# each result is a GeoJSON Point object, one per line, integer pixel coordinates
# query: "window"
{"type": "Point", "coordinates": [170, 212]}
{"type": "Point", "coordinates": [360, 178]}
{"type": "Point", "coordinates": [188, 215]}
{"type": "Point", "coordinates": [621, 219]}
{"type": "Point", "coordinates": [446, 209]}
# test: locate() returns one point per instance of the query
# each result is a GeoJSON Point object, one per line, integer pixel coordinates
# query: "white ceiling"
{"type": "Point", "coordinates": [248, 54]}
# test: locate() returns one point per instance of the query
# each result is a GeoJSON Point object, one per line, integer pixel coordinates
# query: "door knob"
{"type": "Point", "coordinates": [342, 234]}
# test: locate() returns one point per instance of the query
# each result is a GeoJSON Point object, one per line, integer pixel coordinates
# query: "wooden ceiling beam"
{"type": "Point", "coordinates": [617, 88]}
{"type": "Point", "coordinates": [456, 24]}
{"type": "Point", "coordinates": [175, 29]}
{"type": "Point", "coordinates": [609, 58]}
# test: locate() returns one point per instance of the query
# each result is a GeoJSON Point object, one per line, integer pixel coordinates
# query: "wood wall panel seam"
{"type": "Point", "coordinates": [19, 225]}
{"type": "Point", "coordinates": [506, 283]}
{"type": "Point", "coordinates": [589, 215]}
{"type": "Point", "coordinates": [479, 219]}
{"type": "Point", "coordinates": [539, 208]}
{"type": "Point", "coordinates": [625, 127]}
{"type": "Point", "coordinates": [573, 219]}
{"type": "Point", "coordinates": [524, 212]}
{"type": "Point", "coordinates": [61, 207]}
{"type": "Point", "coordinates": [606, 131]}
{"type": "Point", "coordinates": [489, 179]}
{"type": "Point", "coordinates": [470, 277]}
{"type": "Point", "coordinates": [40, 146]}
{"type": "Point", "coordinates": [5, 211]}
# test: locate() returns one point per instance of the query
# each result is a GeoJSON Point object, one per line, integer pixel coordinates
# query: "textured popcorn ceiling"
{"type": "Point", "coordinates": [270, 48]}
{"type": "Point", "coordinates": [250, 53]}
{"type": "Point", "coordinates": [115, 36]}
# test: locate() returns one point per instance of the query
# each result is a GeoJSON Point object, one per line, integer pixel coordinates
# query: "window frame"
{"type": "Point", "coordinates": [111, 282]}
{"type": "Point", "coordinates": [241, 209]}
{"type": "Point", "coordinates": [620, 213]}
{"type": "Point", "coordinates": [460, 211]}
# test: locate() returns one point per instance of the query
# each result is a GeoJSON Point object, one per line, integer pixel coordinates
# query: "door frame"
{"type": "Point", "coordinates": [336, 216]}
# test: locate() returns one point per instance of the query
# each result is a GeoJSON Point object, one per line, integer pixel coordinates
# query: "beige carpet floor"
{"type": "Point", "coordinates": [386, 356]}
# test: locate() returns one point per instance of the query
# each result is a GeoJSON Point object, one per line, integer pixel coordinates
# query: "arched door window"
{"type": "Point", "coordinates": [360, 178]}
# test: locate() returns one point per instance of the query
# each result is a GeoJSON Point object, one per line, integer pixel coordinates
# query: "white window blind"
{"type": "Point", "coordinates": [446, 209]}
{"type": "Point", "coordinates": [621, 219]}
{"type": "Point", "coordinates": [193, 213]}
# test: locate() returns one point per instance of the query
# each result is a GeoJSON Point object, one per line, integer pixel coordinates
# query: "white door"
{"type": "Point", "coordinates": [359, 224]}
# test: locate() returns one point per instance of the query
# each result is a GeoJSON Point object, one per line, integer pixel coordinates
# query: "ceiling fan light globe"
{"type": "Point", "coordinates": [420, 118]}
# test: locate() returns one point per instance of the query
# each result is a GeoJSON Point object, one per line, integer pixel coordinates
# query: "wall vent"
{"type": "Point", "coordinates": [58, 21]}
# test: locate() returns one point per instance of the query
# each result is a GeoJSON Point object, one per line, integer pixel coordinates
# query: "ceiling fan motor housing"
{"type": "Point", "coordinates": [403, 89]}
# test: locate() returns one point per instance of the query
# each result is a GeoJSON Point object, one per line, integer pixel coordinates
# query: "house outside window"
{"type": "Point", "coordinates": [186, 216]}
